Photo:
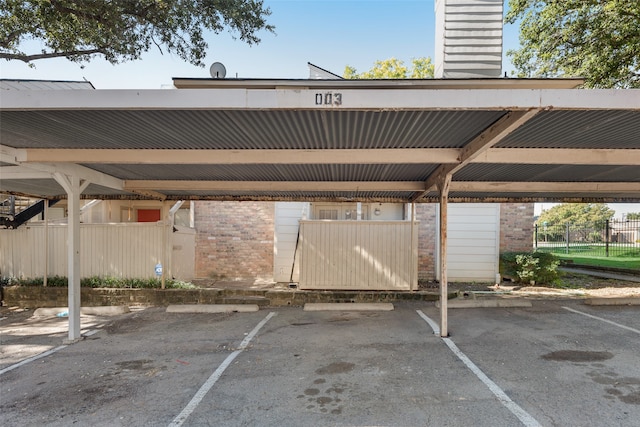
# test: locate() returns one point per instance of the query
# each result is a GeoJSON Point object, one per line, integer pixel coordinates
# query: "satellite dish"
{"type": "Point", "coordinates": [217, 70]}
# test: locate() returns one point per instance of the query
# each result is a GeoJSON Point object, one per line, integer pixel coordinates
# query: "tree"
{"type": "Point", "coordinates": [576, 213]}
{"type": "Point", "coordinates": [595, 39]}
{"type": "Point", "coordinates": [633, 215]}
{"type": "Point", "coordinates": [393, 68]}
{"type": "Point", "coordinates": [121, 30]}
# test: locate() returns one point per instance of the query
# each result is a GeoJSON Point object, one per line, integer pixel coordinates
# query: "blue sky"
{"type": "Point", "coordinates": [327, 33]}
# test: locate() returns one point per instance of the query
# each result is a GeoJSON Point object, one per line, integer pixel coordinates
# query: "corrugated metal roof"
{"type": "Point", "coordinates": [351, 196]}
{"type": "Point", "coordinates": [289, 172]}
{"type": "Point", "coordinates": [237, 129]}
{"type": "Point", "coordinates": [548, 173]}
{"type": "Point", "coordinates": [463, 123]}
{"type": "Point", "coordinates": [578, 129]}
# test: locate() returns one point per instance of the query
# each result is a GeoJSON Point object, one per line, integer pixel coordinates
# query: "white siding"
{"type": "Point", "coordinates": [468, 38]}
{"type": "Point", "coordinates": [358, 255]}
{"type": "Point", "coordinates": [474, 240]}
{"type": "Point", "coordinates": [287, 217]}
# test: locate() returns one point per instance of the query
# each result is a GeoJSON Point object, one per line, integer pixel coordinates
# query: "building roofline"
{"type": "Point", "coordinates": [475, 83]}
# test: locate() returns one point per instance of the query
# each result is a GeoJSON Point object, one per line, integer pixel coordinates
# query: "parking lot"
{"type": "Point", "coordinates": [558, 363]}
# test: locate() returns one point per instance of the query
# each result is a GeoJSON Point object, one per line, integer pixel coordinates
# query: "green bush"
{"type": "Point", "coordinates": [98, 282]}
{"type": "Point", "coordinates": [525, 267]}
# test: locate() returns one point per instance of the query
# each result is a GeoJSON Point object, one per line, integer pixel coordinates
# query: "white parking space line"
{"type": "Point", "coordinates": [434, 325]}
{"type": "Point", "coordinates": [603, 320]}
{"type": "Point", "coordinates": [197, 398]}
{"type": "Point", "coordinates": [44, 354]}
{"type": "Point", "coordinates": [515, 409]}
{"type": "Point", "coordinates": [31, 359]}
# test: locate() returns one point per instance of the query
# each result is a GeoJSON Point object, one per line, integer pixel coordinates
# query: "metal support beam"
{"type": "Point", "coordinates": [479, 145]}
{"type": "Point", "coordinates": [235, 157]}
{"type": "Point", "coordinates": [443, 188]}
{"type": "Point", "coordinates": [574, 156]}
{"type": "Point", "coordinates": [74, 186]}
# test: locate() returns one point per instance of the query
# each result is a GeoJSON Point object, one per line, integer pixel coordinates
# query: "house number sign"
{"type": "Point", "coordinates": [328, 98]}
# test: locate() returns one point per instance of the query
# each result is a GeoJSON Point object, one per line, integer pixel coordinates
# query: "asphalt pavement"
{"type": "Point", "coordinates": [556, 363]}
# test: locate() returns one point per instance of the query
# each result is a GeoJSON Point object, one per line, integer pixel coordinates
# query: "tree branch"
{"type": "Point", "coordinates": [29, 58]}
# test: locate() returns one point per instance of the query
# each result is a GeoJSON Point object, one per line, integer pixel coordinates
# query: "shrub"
{"type": "Point", "coordinates": [524, 267]}
{"type": "Point", "coordinates": [98, 282]}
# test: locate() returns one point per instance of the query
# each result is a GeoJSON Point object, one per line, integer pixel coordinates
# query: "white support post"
{"type": "Point", "coordinates": [46, 244]}
{"type": "Point", "coordinates": [168, 267]}
{"type": "Point", "coordinates": [443, 186]}
{"type": "Point", "coordinates": [73, 186]}
{"type": "Point", "coordinates": [412, 218]}
{"type": "Point", "coordinates": [165, 241]}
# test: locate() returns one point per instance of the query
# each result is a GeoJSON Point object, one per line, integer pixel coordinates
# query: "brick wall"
{"type": "Point", "coordinates": [516, 227]}
{"type": "Point", "coordinates": [234, 240]}
{"type": "Point", "coordinates": [426, 214]}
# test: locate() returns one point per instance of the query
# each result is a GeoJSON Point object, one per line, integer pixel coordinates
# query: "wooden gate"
{"type": "Point", "coordinates": [359, 255]}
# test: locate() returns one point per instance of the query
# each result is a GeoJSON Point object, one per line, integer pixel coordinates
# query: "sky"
{"type": "Point", "coordinates": [328, 33]}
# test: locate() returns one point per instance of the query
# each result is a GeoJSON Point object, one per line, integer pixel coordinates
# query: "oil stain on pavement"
{"type": "Point", "coordinates": [326, 397]}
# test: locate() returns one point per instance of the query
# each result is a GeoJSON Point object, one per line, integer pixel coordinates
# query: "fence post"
{"type": "Point", "coordinates": [535, 237]}
{"type": "Point", "coordinates": [567, 239]}
{"type": "Point", "coordinates": [607, 236]}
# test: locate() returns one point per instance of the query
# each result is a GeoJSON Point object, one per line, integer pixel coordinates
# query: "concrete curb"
{"type": "Point", "coordinates": [613, 301]}
{"type": "Point", "coordinates": [486, 303]}
{"type": "Point", "coordinates": [107, 310]}
{"type": "Point", "coordinates": [347, 306]}
{"type": "Point", "coordinates": [212, 308]}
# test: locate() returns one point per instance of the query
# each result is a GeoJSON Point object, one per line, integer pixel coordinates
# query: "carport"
{"type": "Point", "coordinates": [411, 141]}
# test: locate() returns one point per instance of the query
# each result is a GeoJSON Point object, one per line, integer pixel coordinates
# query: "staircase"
{"type": "Point", "coordinates": [15, 210]}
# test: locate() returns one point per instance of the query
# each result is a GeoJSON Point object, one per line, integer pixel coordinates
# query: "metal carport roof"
{"type": "Point", "coordinates": [381, 140]}
{"type": "Point", "coordinates": [360, 140]}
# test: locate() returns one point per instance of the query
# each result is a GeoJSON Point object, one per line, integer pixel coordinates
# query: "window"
{"type": "Point", "coordinates": [338, 211]}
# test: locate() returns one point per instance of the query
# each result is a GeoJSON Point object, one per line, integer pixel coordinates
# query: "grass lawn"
{"type": "Point", "coordinates": [629, 263]}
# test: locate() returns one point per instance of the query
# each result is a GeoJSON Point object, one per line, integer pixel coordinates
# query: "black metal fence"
{"type": "Point", "coordinates": [615, 238]}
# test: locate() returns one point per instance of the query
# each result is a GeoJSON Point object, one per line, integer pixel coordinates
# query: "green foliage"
{"type": "Point", "coordinates": [122, 30]}
{"type": "Point", "coordinates": [392, 68]}
{"type": "Point", "coordinates": [8, 281]}
{"type": "Point", "coordinates": [595, 39]}
{"type": "Point", "coordinates": [524, 267]}
{"type": "Point", "coordinates": [422, 68]}
{"type": "Point", "coordinates": [577, 213]}
{"type": "Point", "coordinates": [633, 215]}
{"type": "Point", "coordinates": [98, 282]}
